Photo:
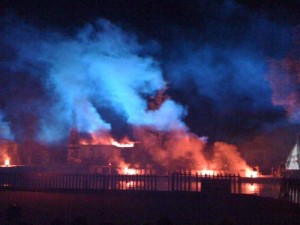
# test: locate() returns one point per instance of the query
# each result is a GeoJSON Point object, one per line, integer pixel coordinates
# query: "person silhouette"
{"type": "Point", "coordinates": [80, 220]}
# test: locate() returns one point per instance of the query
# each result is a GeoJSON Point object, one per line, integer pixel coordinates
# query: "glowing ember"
{"type": "Point", "coordinates": [7, 162]}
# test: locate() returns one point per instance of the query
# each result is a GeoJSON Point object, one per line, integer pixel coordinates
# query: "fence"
{"type": "Point", "coordinates": [93, 182]}
{"type": "Point", "coordinates": [290, 189]}
{"type": "Point", "coordinates": [206, 183]}
{"type": "Point", "coordinates": [81, 181]}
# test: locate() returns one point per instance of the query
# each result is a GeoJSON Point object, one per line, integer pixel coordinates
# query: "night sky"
{"type": "Point", "coordinates": [230, 70]}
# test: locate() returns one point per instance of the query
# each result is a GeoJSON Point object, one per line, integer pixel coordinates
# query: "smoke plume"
{"type": "Point", "coordinates": [99, 67]}
{"type": "Point", "coordinates": [5, 131]}
{"type": "Point", "coordinates": [285, 81]}
{"type": "Point", "coordinates": [223, 65]}
{"type": "Point", "coordinates": [103, 79]}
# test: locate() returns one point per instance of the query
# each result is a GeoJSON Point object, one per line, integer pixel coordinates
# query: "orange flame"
{"type": "Point", "coordinates": [7, 162]}
{"type": "Point", "coordinates": [130, 171]}
{"type": "Point", "coordinates": [107, 140]}
{"type": "Point", "coordinates": [251, 173]}
{"type": "Point", "coordinates": [207, 172]}
{"type": "Point", "coordinates": [248, 188]}
{"type": "Point", "coordinates": [166, 147]}
{"type": "Point", "coordinates": [130, 184]}
{"type": "Point", "coordinates": [124, 143]}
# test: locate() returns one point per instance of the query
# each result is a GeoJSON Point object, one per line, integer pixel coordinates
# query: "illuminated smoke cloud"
{"type": "Point", "coordinates": [102, 72]}
{"type": "Point", "coordinates": [223, 66]}
{"type": "Point", "coordinates": [98, 68]}
{"type": "Point", "coordinates": [227, 157]}
{"type": "Point", "coordinates": [5, 131]}
{"type": "Point", "coordinates": [174, 150]}
{"type": "Point", "coordinates": [285, 81]}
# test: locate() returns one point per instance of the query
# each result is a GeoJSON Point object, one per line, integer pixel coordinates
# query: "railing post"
{"type": "Point", "coordinates": [197, 182]}
{"type": "Point", "coordinates": [177, 182]}
{"type": "Point", "coordinates": [172, 183]}
{"type": "Point", "coordinates": [189, 181]}
{"type": "Point", "coordinates": [239, 184]}
{"type": "Point", "coordinates": [184, 180]}
{"type": "Point", "coordinates": [155, 181]}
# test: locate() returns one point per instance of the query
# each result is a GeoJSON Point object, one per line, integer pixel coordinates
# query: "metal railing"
{"type": "Point", "coordinates": [290, 189]}
{"type": "Point", "coordinates": [226, 183]}
{"type": "Point", "coordinates": [184, 182]}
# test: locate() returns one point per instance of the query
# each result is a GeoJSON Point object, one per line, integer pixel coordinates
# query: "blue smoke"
{"type": "Point", "coordinates": [220, 70]}
{"type": "Point", "coordinates": [100, 77]}
{"type": "Point", "coordinates": [99, 67]}
{"type": "Point", "coordinates": [5, 131]}
{"type": "Point", "coordinates": [223, 76]}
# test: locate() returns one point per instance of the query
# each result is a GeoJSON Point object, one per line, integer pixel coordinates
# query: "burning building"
{"type": "Point", "coordinates": [104, 154]}
{"type": "Point", "coordinates": [156, 152]}
{"type": "Point", "coordinates": [9, 153]}
{"type": "Point", "coordinates": [105, 78]}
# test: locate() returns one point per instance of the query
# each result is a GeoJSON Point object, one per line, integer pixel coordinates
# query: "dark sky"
{"type": "Point", "coordinates": [223, 61]}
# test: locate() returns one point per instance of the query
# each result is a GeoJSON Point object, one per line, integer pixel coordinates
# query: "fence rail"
{"type": "Point", "coordinates": [175, 182]}
{"type": "Point", "coordinates": [34, 181]}
{"type": "Point", "coordinates": [290, 189]}
{"type": "Point", "coordinates": [226, 183]}
{"type": "Point", "coordinates": [78, 181]}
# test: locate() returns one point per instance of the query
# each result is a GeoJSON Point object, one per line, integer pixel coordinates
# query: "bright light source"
{"type": "Point", "coordinates": [7, 162]}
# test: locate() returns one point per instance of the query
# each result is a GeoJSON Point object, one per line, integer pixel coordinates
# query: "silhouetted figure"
{"type": "Point", "coordinates": [164, 221]}
{"type": "Point", "coordinates": [80, 220]}
{"type": "Point", "coordinates": [57, 222]}
{"type": "Point", "coordinates": [13, 214]}
{"type": "Point", "coordinates": [227, 221]}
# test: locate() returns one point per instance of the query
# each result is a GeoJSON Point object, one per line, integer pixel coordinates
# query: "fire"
{"type": "Point", "coordinates": [248, 188]}
{"type": "Point", "coordinates": [124, 143]}
{"type": "Point", "coordinates": [207, 172]}
{"type": "Point", "coordinates": [165, 148]}
{"type": "Point", "coordinates": [252, 188]}
{"type": "Point", "coordinates": [248, 172]}
{"type": "Point", "coordinates": [7, 162]}
{"type": "Point", "coordinates": [130, 184]}
{"type": "Point", "coordinates": [107, 140]}
{"type": "Point", "coordinates": [130, 171]}
{"type": "Point", "coordinates": [251, 173]}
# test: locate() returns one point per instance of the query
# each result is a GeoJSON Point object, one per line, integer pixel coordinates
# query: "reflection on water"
{"type": "Point", "coordinates": [253, 188]}
{"type": "Point", "coordinates": [265, 186]}
{"type": "Point", "coordinates": [264, 190]}
{"type": "Point", "coordinates": [260, 188]}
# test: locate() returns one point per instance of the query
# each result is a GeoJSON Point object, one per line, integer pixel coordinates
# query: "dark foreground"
{"type": "Point", "coordinates": [137, 208]}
